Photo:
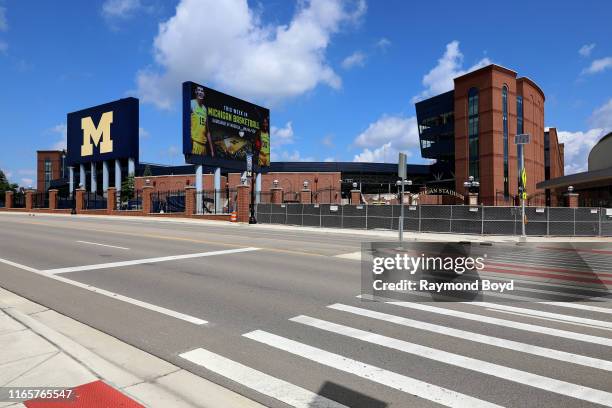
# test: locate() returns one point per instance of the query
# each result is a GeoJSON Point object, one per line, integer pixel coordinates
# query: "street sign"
{"type": "Point", "coordinates": [401, 166]}
{"type": "Point", "coordinates": [249, 165]}
{"type": "Point", "coordinates": [521, 139]}
{"type": "Point", "coordinates": [524, 179]}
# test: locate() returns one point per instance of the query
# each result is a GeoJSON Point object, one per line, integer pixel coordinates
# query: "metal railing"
{"type": "Point", "coordinates": [171, 201]}
{"type": "Point", "coordinates": [19, 200]}
{"type": "Point", "coordinates": [130, 200]}
{"type": "Point", "coordinates": [40, 199]}
{"type": "Point", "coordinates": [458, 219]}
{"type": "Point", "coordinates": [65, 200]}
{"type": "Point", "coordinates": [94, 201]}
{"type": "Point", "coordinates": [216, 201]}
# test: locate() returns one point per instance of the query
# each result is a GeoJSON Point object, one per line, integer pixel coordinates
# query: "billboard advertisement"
{"type": "Point", "coordinates": [221, 130]}
{"type": "Point", "coordinates": [103, 132]}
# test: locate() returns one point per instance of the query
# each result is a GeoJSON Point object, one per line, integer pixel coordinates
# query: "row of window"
{"type": "Point", "coordinates": [473, 137]}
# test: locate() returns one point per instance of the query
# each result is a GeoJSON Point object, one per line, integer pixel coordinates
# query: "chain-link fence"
{"type": "Point", "coordinates": [458, 219]}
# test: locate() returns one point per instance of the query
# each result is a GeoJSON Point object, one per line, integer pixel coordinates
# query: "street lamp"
{"type": "Point", "coordinates": [570, 189]}
{"type": "Point", "coordinates": [471, 186]}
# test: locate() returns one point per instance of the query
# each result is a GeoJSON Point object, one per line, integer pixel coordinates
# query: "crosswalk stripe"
{"type": "Point", "coordinates": [479, 338]}
{"type": "Point", "coordinates": [547, 319]}
{"type": "Point", "coordinates": [390, 379]}
{"type": "Point", "coordinates": [263, 383]}
{"type": "Point", "coordinates": [580, 306]}
{"type": "Point", "coordinates": [504, 323]}
{"type": "Point", "coordinates": [533, 312]}
{"type": "Point", "coordinates": [511, 374]}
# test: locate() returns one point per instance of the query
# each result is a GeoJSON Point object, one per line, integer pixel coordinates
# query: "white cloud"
{"type": "Point", "coordinates": [328, 141]}
{"type": "Point", "coordinates": [143, 133]}
{"type": "Point", "coordinates": [3, 20]}
{"type": "Point", "coordinates": [120, 8]}
{"type": "Point", "coordinates": [383, 43]}
{"type": "Point", "coordinates": [450, 66]}
{"type": "Point", "coordinates": [577, 148]}
{"type": "Point", "coordinates": [26, 172]}
{"type": "Point", "coordinates": [602, 116]}
{"type": "Point", "coordinates": [61, 130]}
{"type": "Point", "coordinates": [27, 182]}
{"type": "Point", "coordinates": [281, 136]}
{"type": "Point", "coordinates": [329, 159]}
{"type": "Point", "coordinates": [224, 43]}
{"type": "Point", "coordinates": [586, 50]}
{"type": "Point", "coordinates": [598, 65]}
{"type": "Point", "coordinates": [356, 59]}
{"type": "Point", "coordinates": [294, 156]}
{"type": "Point", "coordinates": [385, 138]}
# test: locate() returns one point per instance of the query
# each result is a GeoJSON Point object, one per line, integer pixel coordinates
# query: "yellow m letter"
{"type": "Point", "coordinates": [91, 133]}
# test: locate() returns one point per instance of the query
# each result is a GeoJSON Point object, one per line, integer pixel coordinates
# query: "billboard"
{"type": "Point", "coordinates": [221, 130]}
{"type": "Point", "coordinates": [103, 132]}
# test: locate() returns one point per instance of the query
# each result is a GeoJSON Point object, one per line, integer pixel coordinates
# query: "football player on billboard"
{"type": "Point", "coordinates": [264, 139]}
{"type": "Point", "coordinates": [201, 143]}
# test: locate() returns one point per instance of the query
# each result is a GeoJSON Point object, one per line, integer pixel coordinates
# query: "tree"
{"type": "Point", "coordinates": [147, 171]}
{"type": "Point", "coordinates": [127, 188]}
{"type": "Point", "coordinates": [5, 186]}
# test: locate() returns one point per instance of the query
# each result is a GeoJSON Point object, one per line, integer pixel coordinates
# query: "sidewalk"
{"type": "Point", "coordinates": [42, 348]}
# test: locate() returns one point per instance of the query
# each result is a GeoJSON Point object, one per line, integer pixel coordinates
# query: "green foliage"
{"type": "Point", "coordinates": [5, 185]}
{"type": "Point", "coordinates": [147, 171]}
{"type": "Point", "coordinates": [127, 188]}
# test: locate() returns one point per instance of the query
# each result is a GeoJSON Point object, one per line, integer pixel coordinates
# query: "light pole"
{"type": "Point", "coordinates": [471, 186]}
{"type": "Point", "coordinates": [401, 219]}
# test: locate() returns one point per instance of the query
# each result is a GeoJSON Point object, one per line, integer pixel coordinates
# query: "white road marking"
{"type": "Point", "coordinates": [147, 260]}
{"type": "Point", "coordinates": [548, 319]}
{"type": "Point", "coordinates": [510, 374]}
{"type": "Point", "coordinates": [256, 380]}
{"type": "Point", "coordinates": [580, 306]}
{"type": "Point", "coordinates": [533, 312]}
{"type": "Point", "coordinates": [480, 338]}
{"type": "Point", "coordinates": [502, 322]}
{"type": "Point", "coordinates": [145, 305]}
{"type": "Point", "coordinates": [355, 256]}
{"type": "Point", "coordinates": [379, 375]}
{"type": "Point", "coordinates": [104, 245]}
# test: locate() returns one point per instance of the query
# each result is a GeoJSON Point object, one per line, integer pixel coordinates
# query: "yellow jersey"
{"type": "Point", "coordinates": [264, 153]}
{"type": "Point", "coordinates": [199, 118]}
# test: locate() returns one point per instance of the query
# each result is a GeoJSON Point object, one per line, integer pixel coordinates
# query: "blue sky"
{"type": "Point", "coordinates": [340, 77]}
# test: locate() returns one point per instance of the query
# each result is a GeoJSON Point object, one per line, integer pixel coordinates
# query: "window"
{"type": "Point", "coordinates": [473, 151]}
{"type": "Point", "coordinates": [505, 122]}
{"type": "Point", "coordinates": [519, 130]}
{"type": "Point", "coordinates": [48, 171]}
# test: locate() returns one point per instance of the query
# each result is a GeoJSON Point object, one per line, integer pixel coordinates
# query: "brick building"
{"type": "Point", "coordinates": [471, 130]}
{"type": "Point", "coordinates": [50, 166]}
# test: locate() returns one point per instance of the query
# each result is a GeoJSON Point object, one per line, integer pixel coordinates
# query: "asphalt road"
{"type": "Point", "coordinates": [246, 283]}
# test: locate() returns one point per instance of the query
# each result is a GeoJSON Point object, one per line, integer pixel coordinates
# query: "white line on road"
{"type": "Point", "coordinates": [501, 322]}
{"type": "Point", "coordinates": [263, 383]}
{"type": "Point", "coordinates": [104, 245]}
{"type": "Point", "coordinates": [547, 319]}
{"type": "Point", "coordinates": [145, 305]}
{"type": "Point", "coordinates": [510, 374]}
{"type": "Point", "coordinates": [479, 338]}
{"type": "Point", "coordinates": [379, 375]}
{"type": "Point", "coordinates": [580, 306]}
{"type": "Point", "coordinates": [355, 256]}
{"type": "Point", "coordinates": [533, 312]}
{"type": "Point", "coordinates": [146, 260]}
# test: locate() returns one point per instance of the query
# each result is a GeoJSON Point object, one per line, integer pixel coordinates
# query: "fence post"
{"type": "Point", "coordinates": [79, 200]}
{"type": "Point", "coordinates": [277, 195]}
{"type": "Point", "coordinates": [243, 201]}
{"type": "Point", "coordinates": [52, 199]}
{"type": "Point", "coordinates": [482, 210]}
{"type": "Point", "coordinates": [111, 200]}
{"type": "Point", "coordinates": [28, 199]}
{"type": "Point", "coordinates": [146, 199]}
{"type": "Point", "coordinates": [8, 200]}
{"type": "Point", "coordinates": [190, 200]}
{"type": "Point", "coordinates": [420, 217]}
{"type": "Point", "coordinates": [450, 224]}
